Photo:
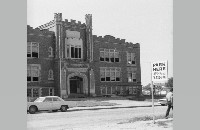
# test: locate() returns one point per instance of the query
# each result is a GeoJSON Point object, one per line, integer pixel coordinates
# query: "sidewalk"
{"type": "Point", "coordinates": [114, 104]}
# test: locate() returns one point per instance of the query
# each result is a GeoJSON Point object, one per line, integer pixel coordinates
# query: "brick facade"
{"type": "Point", "coordinates": [84, 72]}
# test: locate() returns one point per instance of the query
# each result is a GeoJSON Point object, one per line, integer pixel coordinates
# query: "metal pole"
{"type": "Point", "coordinates": [59, 59]}
{"type": "Point", "coordinates": [152, 98]}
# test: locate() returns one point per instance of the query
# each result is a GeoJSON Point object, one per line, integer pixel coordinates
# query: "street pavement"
{"type": "Point", "coordinates": [117, 117]}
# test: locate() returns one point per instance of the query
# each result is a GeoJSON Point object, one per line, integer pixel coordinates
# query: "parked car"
{"type": "Point", "coordinates": [162, 102]}
{"type": "Point", "coordinates": [47, 103]}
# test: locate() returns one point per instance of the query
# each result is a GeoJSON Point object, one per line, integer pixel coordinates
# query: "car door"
{"type": "Point", "coordinates": [56, 103]}
{"type": "Point", "coordinates": [46, 104]}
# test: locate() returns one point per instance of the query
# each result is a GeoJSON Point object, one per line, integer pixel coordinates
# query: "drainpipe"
{"type": "Point", "coordinates": [88, 81]}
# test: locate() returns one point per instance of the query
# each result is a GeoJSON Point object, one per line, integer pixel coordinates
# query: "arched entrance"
{"type": "Point", "coordinates": [76, 85]}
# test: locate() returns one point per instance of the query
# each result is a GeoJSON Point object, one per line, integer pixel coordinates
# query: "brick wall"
{"type": "Point", "coordinates": [110, 42]}
{"type": "Point", "coordinates": [45, 39]}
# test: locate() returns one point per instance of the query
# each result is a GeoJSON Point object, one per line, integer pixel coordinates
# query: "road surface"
{"type": "Point", "coordinates": [101, 119]}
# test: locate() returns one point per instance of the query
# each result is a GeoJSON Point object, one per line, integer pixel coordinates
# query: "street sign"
{"type": "Point", "coordinates": [158, 75]}
{"type": "Point", "coordinates": [159, 71]}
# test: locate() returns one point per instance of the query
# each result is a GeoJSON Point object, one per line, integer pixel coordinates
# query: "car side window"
{"type": "Point", "coordinates": [56, 99]}
{"type": "Point", "coordinates": [47, 99]}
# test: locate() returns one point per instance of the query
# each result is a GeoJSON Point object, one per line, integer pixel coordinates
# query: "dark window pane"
{"type": "Point", "coordinates": [107, 59]}
{"type": "Point", "coordinates": [102, 79]}
{"type": "Point", "coordinates": [72, 52]}
{"type": "Point", "coordinates": [35, 78]}
{"type": "Point", "coordinates": [35, 54]}
{"type": "Point", "coordinates": [117, 79]}
{"type": "Point", "coordinates": [107, 78]}
{"type": "Point", "coordinates": [28, 78]}
{"type": "Point", "coordinates": [79, 52]}
{"type": "Point", "coordinates": [134, 80]}
{"type": "Point", "coordinates": [133, 62]}
{"type": "Point", "coordinates": [112, 59]}
{"type": "Point", "coordinates": [116, 59]}
{"type": "Point", "coordinates": [101, 59]}
{"type": "Point", "coordinates": [28, 55]}
{"type": "Point", "coordinates": [76, 52]}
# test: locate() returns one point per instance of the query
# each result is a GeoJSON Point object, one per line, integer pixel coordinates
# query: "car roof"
{"type": "Point", "coordinates": [50, 96]}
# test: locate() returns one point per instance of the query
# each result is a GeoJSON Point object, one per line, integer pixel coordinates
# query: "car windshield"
{"type": "Point", "coordinates": [40, 99]}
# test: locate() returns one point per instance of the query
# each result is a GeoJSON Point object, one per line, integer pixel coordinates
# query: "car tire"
{"type": "Point", "coordinates": [63, 108]}
{"type": "Point", "coordinates": [32, 109]}
{"type": "Point", "coordinates": [54, 110]}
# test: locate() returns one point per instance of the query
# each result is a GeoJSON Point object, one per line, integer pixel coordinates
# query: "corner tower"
{"type": "Point", "coordinates": [88, 18]}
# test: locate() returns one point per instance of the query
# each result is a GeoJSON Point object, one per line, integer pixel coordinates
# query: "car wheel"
{"type": "Point", "coordinates": [32, 109]}
{"type": "Point", "coordinates": [163, 104]}
{"type": "Point", "coordinates": [63, 108]}
{"type": "Point", "coordinates": [54, 110]}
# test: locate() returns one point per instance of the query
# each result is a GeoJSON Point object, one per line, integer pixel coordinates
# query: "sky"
{"type": "Point", "coordinates": [148, 22]}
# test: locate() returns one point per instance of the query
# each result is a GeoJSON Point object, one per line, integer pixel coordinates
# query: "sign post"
{"type": "Point", "coordinates": [159, 74]}
{"type": "Point", "coordinates": [152, 100]}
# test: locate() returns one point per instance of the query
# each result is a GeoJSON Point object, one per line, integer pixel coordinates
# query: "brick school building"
{"type": "Point", "coordinates": [65, 59]}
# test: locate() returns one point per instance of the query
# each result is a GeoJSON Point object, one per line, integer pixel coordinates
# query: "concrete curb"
{"type": "Point", "coordinates": [106, 107]}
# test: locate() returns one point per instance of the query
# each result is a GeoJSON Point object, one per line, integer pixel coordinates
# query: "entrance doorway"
{"type": "Point", "coordinates": [76, 85]}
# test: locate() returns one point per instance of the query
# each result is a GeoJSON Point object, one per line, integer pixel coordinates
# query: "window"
{"type": "Point", "coordinates": [131, 77]}
{"type": "Point", "coordinates": [102, 55]}
{"type": "Point", "coordinates": [51, 91]}
{"type": "Point", "coordinates": [33, 72]}
{"type": "Point", "coordinates": [102, 74]}
{"type": "Point", "coordinates": [68, 51]}
{"type": "Point", "coordinates": [74, 52]}
{"type": "Point", "coordinates": [32, 49]}
{"type": "Point", "coordinates": [35, 92]}
{"type": "Point", "coordinates": [116, 56]}
{"type": "Point", "coordinates": [131, 74]}
{"type": "Point", "coordinates": [109, 55]}
{"type": "Point", "coordinates": [131, 59]}
{"type": "Point", "coordinates": [50, 52]}
{"type": "Point", "coordinates": [106, 54]}
{"type": "Point", "coordinates": [56, 99]}
{"type": "Point", "coordinates": [50, 75]}
{"type": "Point", "coordinates": [29, 92]}
{"type": "Point", "coordinates": [73, 45]}
{"type": "Point", "coordinates": [107, 74]}
{"type": "Point", "coordinates": [112, 56]}
{"type": "Point", "coordinates": [47, 99]}
{"type": "Point", "coordinates": [110, 74]}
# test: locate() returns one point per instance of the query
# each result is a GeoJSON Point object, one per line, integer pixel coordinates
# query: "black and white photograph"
{"type": "Point", "coordinates": [99, 64]}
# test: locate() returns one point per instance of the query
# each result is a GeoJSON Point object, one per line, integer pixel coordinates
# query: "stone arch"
{"type": "Point", "coordinates": [85, 81]}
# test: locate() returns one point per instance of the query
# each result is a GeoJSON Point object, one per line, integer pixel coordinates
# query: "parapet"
{"type": "Point", "coordinates": [111, 39]}
{"type": "Point", "coordinates": [73, 23]}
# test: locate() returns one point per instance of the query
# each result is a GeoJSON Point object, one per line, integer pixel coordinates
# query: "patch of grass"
{"type": "Point", "coordinates": [163, 123]}
{"type": "Point", "coordinates": [145, 118]}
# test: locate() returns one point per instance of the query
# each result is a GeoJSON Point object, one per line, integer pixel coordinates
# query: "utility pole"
{"type": "Point", "coordinates": [152, 98]}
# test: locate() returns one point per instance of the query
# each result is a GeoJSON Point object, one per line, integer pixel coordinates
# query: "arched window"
{"type": "Point", "coordinates": [50, 75]}
{"type": "Point", "coordinates": [50, 51]}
